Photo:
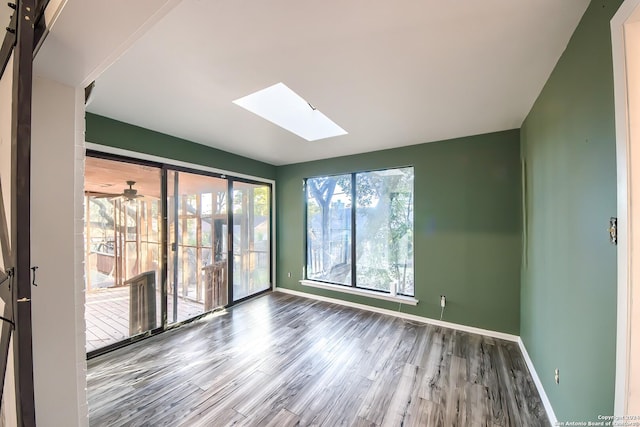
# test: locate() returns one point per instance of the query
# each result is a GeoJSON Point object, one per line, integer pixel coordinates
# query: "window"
{"type": "Point", "coordinates": [380, 222]}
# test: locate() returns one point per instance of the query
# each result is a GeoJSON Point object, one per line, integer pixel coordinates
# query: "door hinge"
{"type": "Point", "coordinates": [613, 230]}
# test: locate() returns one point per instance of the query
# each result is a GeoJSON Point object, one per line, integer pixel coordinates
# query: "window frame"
{"type": "Point", "coordinates": [353, 287]}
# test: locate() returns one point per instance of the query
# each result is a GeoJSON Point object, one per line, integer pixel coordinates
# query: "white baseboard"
{"type": "Point", "coordinates": [456, 326]}
{"type": "Point", "coordinates": [536, 379]}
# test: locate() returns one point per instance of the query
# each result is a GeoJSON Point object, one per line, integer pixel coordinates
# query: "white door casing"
{"type": "Point", "coordinates": [625, 37]}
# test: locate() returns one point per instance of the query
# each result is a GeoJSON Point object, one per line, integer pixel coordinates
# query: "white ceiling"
{"type": "Point", "coordinates": [390, 73]}
{"type": "Point", "coordinates": [87, 36]}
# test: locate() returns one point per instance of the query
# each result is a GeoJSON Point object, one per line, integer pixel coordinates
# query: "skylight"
{"type": "Point", "coordinates": [285, 108]}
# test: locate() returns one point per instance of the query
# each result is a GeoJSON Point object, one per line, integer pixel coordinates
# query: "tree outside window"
{"type": "Point", "coordinates": [383, 218]}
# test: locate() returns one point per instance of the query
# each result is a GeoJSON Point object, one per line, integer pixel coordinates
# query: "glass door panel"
{"type": "Point", "coordinates": [251, 239]}
{"type": "Point", "coordinates": [123, 249]}
{"type": "Point", "coordinates": [197, 228]}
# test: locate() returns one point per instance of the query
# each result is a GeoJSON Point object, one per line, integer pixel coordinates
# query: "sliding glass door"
{"type": "Point", "coordinates": [251, 239]}
{"type": "Point", "coordinates": [197, 224]}
{"type": "Point", "coordinates": [160, 249]}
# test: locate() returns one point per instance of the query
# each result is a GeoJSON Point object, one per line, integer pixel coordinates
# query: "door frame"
{"type": "Point", "coordinates": [625, 39]}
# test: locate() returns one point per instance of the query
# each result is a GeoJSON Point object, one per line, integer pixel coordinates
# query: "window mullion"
{"type": "Point", "coordinates": [353, 229]}
{"type": "Point", "coordinates": [306, 229]}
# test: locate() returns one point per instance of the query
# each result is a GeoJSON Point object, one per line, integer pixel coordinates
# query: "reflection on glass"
{"type": "Point", "coordinates": [197, 267]}
{"type": "Point", "coordinates": [329, 229]}
{"type": "Point", "coordinates": [123, 251]}
{"type": "Point", "coordinates": [251, 239]}
{"type": "Point", "coordinates": [384, 230]}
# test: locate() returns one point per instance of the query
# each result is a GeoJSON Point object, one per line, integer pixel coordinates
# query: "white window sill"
{"type": "Point", "coordinates": [362, 292]}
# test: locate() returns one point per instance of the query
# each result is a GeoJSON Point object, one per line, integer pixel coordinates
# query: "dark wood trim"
{"type": "Point", "coordinates": [40, 32]}
{"type": "Point", "coordinates": [41, 5]}
{"type": "Point", "coordinates": [21, 211]}
{"type": "Point", "coordinates": [41, 29]}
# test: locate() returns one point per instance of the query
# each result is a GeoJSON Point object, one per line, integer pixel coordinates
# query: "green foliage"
{"type": "Point", "coordinates": [384, 203]}
{"type": "Point", "coordinates": [259, 196]}
{"type": "Point", "coordinates": [261, 200]}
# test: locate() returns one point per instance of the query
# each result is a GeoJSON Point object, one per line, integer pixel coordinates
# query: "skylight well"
{"type": "Point", "coordinates": [285, 108]}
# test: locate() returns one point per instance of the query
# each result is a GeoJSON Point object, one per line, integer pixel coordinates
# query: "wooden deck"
{"type": "Point", "coordinates": [107, 315]}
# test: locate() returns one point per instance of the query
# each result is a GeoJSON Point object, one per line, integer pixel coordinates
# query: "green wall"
{"type": "Point", "coordinates": [467, 226]}
{"type": "Point", "coordinates": [568, 301]}
{"type": "Point", "coordinates": [105, 131]}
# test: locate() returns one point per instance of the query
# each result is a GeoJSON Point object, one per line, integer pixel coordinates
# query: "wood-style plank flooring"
{"type": "Point", "coordinates": [281, 360]}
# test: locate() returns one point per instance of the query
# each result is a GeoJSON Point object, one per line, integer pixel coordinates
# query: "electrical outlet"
{"type": "Point", "coordinates": [443, 301]}
{"type": "Point", "coordinates": [557, 376]}
{"type": "Point", "coordinates": [289, 274]}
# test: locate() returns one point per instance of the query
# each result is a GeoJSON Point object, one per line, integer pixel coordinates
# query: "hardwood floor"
{"type": "Point", "coordinates": [281, 360]}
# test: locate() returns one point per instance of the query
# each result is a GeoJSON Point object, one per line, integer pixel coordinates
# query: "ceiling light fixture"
{"type": "Point", "coordinates": [285, 108]}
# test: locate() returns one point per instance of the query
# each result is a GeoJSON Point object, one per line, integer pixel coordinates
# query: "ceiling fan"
{"type": "Point", "coordinates": [130, 193]}
{"type": "Point", "coordinates": [127, 194]}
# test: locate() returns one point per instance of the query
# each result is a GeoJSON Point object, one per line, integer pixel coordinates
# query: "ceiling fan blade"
{"type": "Point", "coordinates": [125, 198]}
{"type": "Point", "coordinates": [98, 195]}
